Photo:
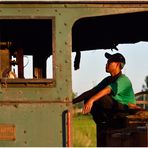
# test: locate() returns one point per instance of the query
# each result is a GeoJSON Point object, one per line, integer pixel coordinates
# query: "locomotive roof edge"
{"type": "Point", "coordinates": [74, 1]}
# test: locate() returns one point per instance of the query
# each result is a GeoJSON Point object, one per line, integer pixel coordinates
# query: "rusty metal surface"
{"type": "Point", "coordinates": [37, 107]}
{"type": "Point", "coordinates": [32, 102]}
{"type": "Point", "coordinates": [35, 124]}
{"type": "Point", "coordinates": [7, 132]}
{"type": "Point", "coordinates": [74, 1]}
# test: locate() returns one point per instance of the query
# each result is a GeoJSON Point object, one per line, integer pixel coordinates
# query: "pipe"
{"type": "Point", "coordinates": [68, 129]}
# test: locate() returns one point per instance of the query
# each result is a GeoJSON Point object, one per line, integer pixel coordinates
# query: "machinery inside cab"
{"type": "Point", "coordinates": [25, 42]}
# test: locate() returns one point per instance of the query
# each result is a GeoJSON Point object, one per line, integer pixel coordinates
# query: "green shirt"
{"type": "Point", "coordinates": [122, 90]}
{"type": "Point", "coordinates": [121, 87]}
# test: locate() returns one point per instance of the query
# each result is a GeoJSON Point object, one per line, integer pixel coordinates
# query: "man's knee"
{"type": "Point", "coordinates": [105, 102]}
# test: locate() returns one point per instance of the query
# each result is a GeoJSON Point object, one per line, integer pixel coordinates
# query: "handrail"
{"type": "Point", "coordinates": [141, 102]}
{"type": "Point", "coordinates": [68, 129]}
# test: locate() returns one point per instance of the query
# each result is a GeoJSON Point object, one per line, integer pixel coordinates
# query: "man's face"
{"type": "Point", "coordinates": [111, 66]}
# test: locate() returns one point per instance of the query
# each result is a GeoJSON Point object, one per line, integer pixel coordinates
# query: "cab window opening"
{"type": "Point", "coordinates": [25, 46]}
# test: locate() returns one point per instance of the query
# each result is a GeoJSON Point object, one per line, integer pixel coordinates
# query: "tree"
{"type": "Point", "coordinates": [145, 86]}
{"type": "Point", "coordinates": [77, 105]}
{"type": "Point", "coordinates": [146, 81]}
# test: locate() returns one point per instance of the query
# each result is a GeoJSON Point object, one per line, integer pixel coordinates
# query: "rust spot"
{"type": "Point", "coordinates": [25, 131]}
{"type": "Point", "coordinates": [65, 24]}
{"type": "Point", "coordinates": [60, 51]}
{"type": "Point", "coordinates": [65, 6]}
{"type": "Point", "coordinates": [20, 92]}
{"type": "Point", "coordinates": [25, 142]}
{"type": "Point", "coordinates": [15, 105]}
{"type": "Point", "coordinates": [41, 98]}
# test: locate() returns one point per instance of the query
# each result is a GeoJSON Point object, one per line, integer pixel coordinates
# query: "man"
{"type": "Point", "coordinates": [113, 95]}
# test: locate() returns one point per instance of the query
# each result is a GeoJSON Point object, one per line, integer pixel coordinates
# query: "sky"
{"type": "Point", "coordinates": [92, 66]}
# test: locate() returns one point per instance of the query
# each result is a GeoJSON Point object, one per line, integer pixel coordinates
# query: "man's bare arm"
{"type": "Point", "coordinates": [87, 107]}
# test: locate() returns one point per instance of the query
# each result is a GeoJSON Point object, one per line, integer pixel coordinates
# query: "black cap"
{"type": "Point", "coordinates": [117, 57]}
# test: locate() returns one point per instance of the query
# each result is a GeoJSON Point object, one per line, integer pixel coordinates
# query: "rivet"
{"type": "Point", "coordinates": [15, 105]}
{"type": "Point", "coordinates": [25, 142]}
{"type": "Point", "coordinates": [65, 6]}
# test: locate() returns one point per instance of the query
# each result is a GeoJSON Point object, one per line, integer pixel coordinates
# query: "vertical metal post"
{"type": "Point", "coordinates": [19, 59]}
{"type": "Point", "coordinates": [144, 98]}
{"type": "Point", "coordinates": [146, 134]}
{"type": "Point", "coordinates": [68, 129]}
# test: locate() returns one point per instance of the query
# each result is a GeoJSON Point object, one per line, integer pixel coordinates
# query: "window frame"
{"type": "Point", "coordinates": [22, 82]}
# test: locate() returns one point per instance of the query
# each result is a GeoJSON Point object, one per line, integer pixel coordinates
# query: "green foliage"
{"type": "Point", "coordinates": [84, 128]}
{"type": "Point", "coordinates": [77, 105]}
{"type": "Point", "coordinates": [74, 94]}
{"type": "Point", "coordinates": [145, 86]}
{"type": "Point", "coordinates": [84, 131]}
{"type": "Point", "coordinates": [146, 81]}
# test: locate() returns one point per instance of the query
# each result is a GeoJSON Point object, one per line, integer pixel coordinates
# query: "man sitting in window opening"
{"type": "Point", "coordinates": [113, 95]}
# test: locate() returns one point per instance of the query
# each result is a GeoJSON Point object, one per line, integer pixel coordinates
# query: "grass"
{"type": "Point", "coordinates": [84, 131]}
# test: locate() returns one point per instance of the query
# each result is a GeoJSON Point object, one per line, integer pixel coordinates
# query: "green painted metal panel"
{"type": "Point", "coordinates": [38, 112]}
{"type": "Point", "coordinates": [36, 124]}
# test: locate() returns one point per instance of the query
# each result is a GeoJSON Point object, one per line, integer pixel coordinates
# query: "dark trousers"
{"type": "Point", "coordinates": [107, 109]}
{"type": "Point", "coordinates": [106, 113]}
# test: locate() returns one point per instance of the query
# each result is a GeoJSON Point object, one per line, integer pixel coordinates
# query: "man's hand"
{"type": "Point", "coordinates": [87, 107]}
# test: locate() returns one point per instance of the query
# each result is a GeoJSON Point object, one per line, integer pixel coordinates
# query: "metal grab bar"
{"type": "Point", "coordinates": [68, 129]}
